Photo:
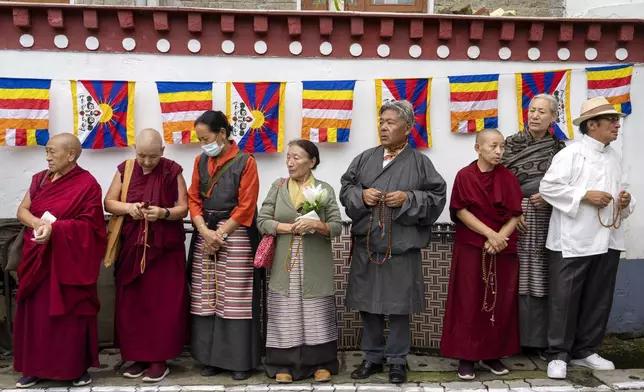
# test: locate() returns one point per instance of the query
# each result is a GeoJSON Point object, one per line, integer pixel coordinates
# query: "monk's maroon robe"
{"type": "Point", "coordinates": [55, 329]}
{"type": "Point", "coordinates": [468, 333]}
{"type": "Point", "coordinates": [151, 310]}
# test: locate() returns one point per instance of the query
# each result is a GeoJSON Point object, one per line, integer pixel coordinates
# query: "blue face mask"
{"type": "Point", "coordinates": [213, 149]}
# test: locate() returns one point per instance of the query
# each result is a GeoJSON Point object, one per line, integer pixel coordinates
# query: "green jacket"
{"type": "Point", "coordinates": [317, 254]}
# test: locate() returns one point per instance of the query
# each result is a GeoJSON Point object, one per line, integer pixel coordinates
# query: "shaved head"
{"type": "Point", "coordinates": [149, 137]}
{"type": "Point", "coordinates": [488, 134]}
{"type": "Point", "coordinates": [149, 149]}
{"type": "Point", "coordinates": [68, 142]}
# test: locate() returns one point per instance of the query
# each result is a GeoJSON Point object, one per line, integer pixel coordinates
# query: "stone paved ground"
{"type": "Point", "coordinates": [426, 374]}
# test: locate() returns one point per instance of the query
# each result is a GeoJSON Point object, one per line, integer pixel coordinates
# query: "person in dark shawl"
{"type": "Point", "coordinates": [151, 309]}
{"type": "Point", "coordinates": [393, 195]}
{"type": "Point", "coordinates": [226, 288]}
{"type": "Point", "coordinates": [528, 155]}
{"type": "Point", "coordinates": [55, 327]}
{"type": "Point", "coordinates": [481, 316]}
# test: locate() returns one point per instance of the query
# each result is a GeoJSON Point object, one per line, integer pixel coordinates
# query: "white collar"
{"type": "Point", "coordinates": [595, 144]}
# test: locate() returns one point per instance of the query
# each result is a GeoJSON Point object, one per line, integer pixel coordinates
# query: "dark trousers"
{"type": "Point", "coordinates": [579, 301]}
{"type": "Point", "coordinates": [373, 341]}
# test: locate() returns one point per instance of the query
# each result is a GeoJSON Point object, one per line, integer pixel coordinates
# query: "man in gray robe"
{"type": "Point", "coordinates": [393, 195]}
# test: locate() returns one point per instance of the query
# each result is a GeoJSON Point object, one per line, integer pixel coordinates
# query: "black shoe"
{"type": "Point", "coordinates": [83, 380]}
{"type": "Point", "coordinates": [239, 376]}
{"type": "Point", "coordinates": [209, 371]}
{"type": "Point", "coordinates": [397, 374]}
{"type": "Point", "coordinates": [365, 370]}
{"type": "Point", "coordinates": [27, 382]}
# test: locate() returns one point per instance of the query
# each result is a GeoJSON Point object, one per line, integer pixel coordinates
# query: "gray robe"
{"type": "Point", "coordinates": [396, 286]}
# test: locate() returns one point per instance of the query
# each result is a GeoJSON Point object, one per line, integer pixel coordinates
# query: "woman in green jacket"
{"type": "Point", "coordinates": [302, 333]}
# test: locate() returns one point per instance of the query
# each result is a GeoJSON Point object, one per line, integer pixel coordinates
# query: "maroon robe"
{"type": "Point", "coordinates": [151, 309]}
{"type": "Point", "coordinates": [468, 333]}
{"type": "Point", "coordinates": [55, 328]}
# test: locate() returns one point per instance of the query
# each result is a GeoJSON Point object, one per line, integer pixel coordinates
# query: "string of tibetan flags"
{"type": "Point", "coordinates": [104, 110]}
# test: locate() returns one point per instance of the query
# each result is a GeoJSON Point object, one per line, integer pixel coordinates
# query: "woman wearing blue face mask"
{"type": "Point", "coordinates": [225, 286]}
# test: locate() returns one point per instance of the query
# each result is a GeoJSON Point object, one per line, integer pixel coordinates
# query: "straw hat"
{"type": "Point", "coordinates": [595, 107]}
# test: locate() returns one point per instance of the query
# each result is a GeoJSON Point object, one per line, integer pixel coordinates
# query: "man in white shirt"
{"type": "Point", "coordinates": [586, 189]}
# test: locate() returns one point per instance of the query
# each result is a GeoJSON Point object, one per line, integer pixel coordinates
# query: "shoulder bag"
{"type": "Point", "coordinates": [116, 222]}
{"type": "Point", "coordinates": [266, 248]}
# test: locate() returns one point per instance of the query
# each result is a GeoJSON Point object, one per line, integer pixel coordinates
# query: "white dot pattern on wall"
{"type": "Point", "coordinates": [61, 41]}
{"type": "Point", "coordinates": [415, 51]}
{"type": "Point", "coordinates": [228, 46]}
{"type": "Point", "coordinates": [621, 54]}
{"type": "Point", "coordinates": [505, 53]}
{"type": "Point", "coordinates": [261, 47]}
{"type": "Point", "coordinates": [383, 50]}
{"type": "Point", "coordinates": [163, 45]}
{"type": "Point", "coordinates": [563, 54]}
{"type": "Point", "coordinates": [91, 43]}
{"type": "Point", "coordinates": [326, 48]}
{"type": "Point", "coordinates": [194, 46]}
{"type": "Point", "coordinates": [27, 40]}
{"type": "Point", "coordinates": [295, 48]}
{"type": "Point", "coordinates": [590, 54]}
{"type": "Point", "coordinates": [534, 54]}
{"type": "Point", "coordinates": [129, 44]}
{"type": "Point", "coordinates": [442, 51]}
{"type": "Point", "coordinates": [473, 52]}
{"type": "Point", "coordinates": [355, 50]}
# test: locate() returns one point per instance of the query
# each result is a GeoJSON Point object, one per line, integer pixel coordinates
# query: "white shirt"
{"type": "Point", "coordinates": [587, 165]}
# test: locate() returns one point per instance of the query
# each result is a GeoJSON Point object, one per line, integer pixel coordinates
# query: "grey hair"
{"type": "Point", "coordinates": [554, 104]}
{"type": "Point", "coordinates": [402, 107]}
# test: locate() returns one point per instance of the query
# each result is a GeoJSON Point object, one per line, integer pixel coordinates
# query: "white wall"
{"type": "Point", "coordinates": [605, 8]}
{"type": "Point", "coordinates": [449, 154]}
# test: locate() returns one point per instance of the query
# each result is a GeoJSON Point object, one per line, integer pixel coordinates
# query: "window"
{"type": "Point", "coordinates": [370, 5]}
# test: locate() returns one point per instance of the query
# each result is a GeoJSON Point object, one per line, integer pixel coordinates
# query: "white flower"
{"type": "Point", "coordinates": [314, 194]}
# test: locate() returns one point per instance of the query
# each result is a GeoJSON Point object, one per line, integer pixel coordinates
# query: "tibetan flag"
{"type": "Point", "coordinates": [103, 113]}
{"type": "Point", "coordinates": [327, 108]}
{"type": "Point", "coordinates": [24, 112]}
{"type": "Point", "coordinates": [473, 102]}
{"type": "Point", "coordinates": [613, 83]}
{"type": "Point", "coordinates": [556, 83]}
{"type": "Point", "coordinates": [256, 113]}
{"type": "Point", "coordinates": [181, 104]}
{"type": "Point", "coordinates": [417, 92]}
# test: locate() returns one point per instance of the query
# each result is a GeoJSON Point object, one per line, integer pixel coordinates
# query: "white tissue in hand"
{"type": "Point", "coordinates": [309, 215]}
{"type": "Point", "coordinates": [48, 217]}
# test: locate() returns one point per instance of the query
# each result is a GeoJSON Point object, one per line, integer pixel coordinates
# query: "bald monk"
{"type": "Point", "coordinates": [151, 309]}
{"type": "Point", "coordinates": [55, 332]}
{"type": "Point", "coordinates": [481, 316]}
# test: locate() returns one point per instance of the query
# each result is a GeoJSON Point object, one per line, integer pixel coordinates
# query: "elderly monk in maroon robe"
{"type": "Point", "coordinates": [55, 332]}
{"type": "Point", "coordinates": [481, 317]}
{"type": "Point", "coordinates": [151, 309]}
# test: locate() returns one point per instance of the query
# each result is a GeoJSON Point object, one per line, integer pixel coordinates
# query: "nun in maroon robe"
{"type": "Point", "coordinates": [481, 319]}
{"type": "Point", "coordinates": [151, 308]}
{"type": "Point", "coordinates": [55, 327]}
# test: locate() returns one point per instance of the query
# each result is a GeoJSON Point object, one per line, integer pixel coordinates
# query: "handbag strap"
{"type": "Point", "coordinates": [282, 182]}
{"type": "Point", "coordinates": [127, 176]}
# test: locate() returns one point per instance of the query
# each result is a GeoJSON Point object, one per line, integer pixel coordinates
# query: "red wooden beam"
{"type": "Point", "coordinates": [161, 21]}
{"type": "Point", "coordinates": [228, 23]}
{"type": "Point", "coordinates": [594, 32]}
{"type": "Point", "coordinates": [294, 26]}
{"type": "Point", "coordinates": [536, 32]}
{"type": "Point", "coordinates": [416, 29]}
{"type": "Point", "coordinates": [386, 28]}
{"type": "Point", "coordinates": [55, 18]}
{"type": "Point", "coordinates": [566, 32]}
{"type": "Point", "coordinates": [194, 22]}
{"type": "Point", "coordinates": [126, 19]}
{"type": "Point", "coordinates": [260, 24]}
{"type": "Point", "coordinates": [445, 29]}
{"type": "Point", "coordinates": [477, 27]}
{"type": "Point", "coordinates": [326, 26]}
{"type": "Point", "coordinates": [357, 27]}
{"type": "Point", "coordinates": [626, 33]}
{"type": "Point", "coordinates": [21, 17]}
{"type": "Point", "coordinates": [507, 31]}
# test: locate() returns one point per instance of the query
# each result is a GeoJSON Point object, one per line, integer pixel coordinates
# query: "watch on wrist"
{"type": "Point", "coordinates": [167, 214]}
{"type": "Point", "coordinates": [224, 235]}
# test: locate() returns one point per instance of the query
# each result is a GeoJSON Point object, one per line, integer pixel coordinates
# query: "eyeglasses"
{"type": "Point", "coordinates": [613, 119]}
